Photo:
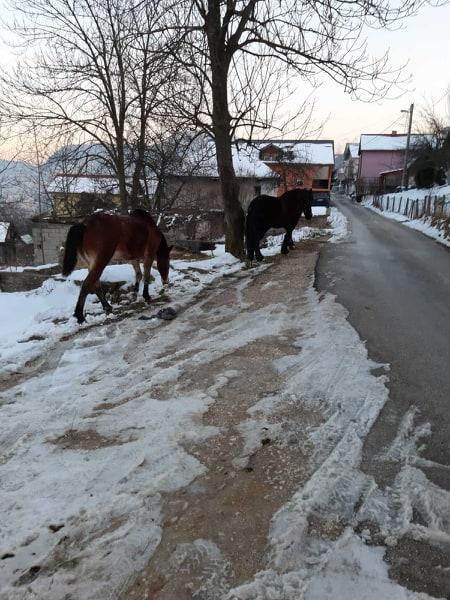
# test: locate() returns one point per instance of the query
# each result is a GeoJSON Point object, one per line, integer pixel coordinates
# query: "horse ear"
{"type": "Point", "coordinates": [169, 249]}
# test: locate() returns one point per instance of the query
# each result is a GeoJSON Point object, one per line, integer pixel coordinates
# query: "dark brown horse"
{"type": "Point", "coordinates": [103, 237]}
{"type": "Point", "coordinates": [265, 212]}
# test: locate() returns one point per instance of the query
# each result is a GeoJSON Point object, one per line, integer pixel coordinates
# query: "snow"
{"type": "Point", "coordinates": [425, 225]}
{"type": "Point", "coordinates": [246, 159]}
{"type": "Point", "coordinates": [303, 152]}
{"type": "Point", "coordinates": [108, 499]}
{"type": "Point", "coordinates": [78, 184]}
{"type": "Point", "coordinates": [20, 269]}
{"type": "Point", "coordinates": [353, 150]}
{"type": "Point", "coordinates": [339, 226]}
{"type": "Point", "coordinates": [32, 322]}
{"type": "Point", "coordinates": [3, 231]}
{"type": "Point", "coordinates": [301, 564]}
{"type": "Point", "coordinates": [357, 571]}
{"type": "Point", "coordinates": [386, 142]}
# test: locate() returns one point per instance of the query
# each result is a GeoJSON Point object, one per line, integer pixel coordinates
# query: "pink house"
{"type": "Point", "coordinates": [379, 154]}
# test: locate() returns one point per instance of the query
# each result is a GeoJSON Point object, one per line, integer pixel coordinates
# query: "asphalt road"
{"type": "Point", "coordinates": [395, 284]}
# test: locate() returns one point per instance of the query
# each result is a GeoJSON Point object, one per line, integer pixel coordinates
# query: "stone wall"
{"type": "Point", "coordinates": [23, 281]}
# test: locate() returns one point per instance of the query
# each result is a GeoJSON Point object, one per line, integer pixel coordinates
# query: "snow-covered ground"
{"type": "Point", "coordinates": [31, 322]}
{"type": "Point", "coordinates": [425, 224]}
{"type": "Point", "coordinates": [87, 453]}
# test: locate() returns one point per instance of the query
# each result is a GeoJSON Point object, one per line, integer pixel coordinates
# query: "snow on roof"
{"type": "Point", "coordinates": [247, 161]}
{"type": "Point", "coordinates": [353, 150]}
{"type": "Point", "coordinates": [90, 184]}
{"type": "Point", "coordinates": [4, 226]}
{"type": "Point", "coordinates": [26, 238]}
{"type": "Point", "coordinates": [77, 184]}
{"type": "Point", "coordinates": [313, 152]}
{"type": "Point", "coordinates": [386, 142]}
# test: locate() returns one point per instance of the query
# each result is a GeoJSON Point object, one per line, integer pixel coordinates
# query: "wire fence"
{"type": "Point", "coordinates": [436, 207]}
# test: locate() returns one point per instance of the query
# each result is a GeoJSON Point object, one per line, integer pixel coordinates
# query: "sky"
{"type": "Point", "coordinates": [423, 42]}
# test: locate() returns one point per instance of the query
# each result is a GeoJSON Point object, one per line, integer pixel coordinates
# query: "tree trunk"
{"type": "Point", "coordinates": [221, 120]}
{"type": "Point", "coordinates": [121, 178]}
{"type": "Point", "coordinates": [234, 215]}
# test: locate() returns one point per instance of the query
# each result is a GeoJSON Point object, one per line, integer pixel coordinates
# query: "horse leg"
{"type": "Point", "coordinates": [259, 234]}
{"type": "Point", "coordinates": [287, 241]}
{"type": "Point", "coordinates": [89, 285]}
{"type": "Point", "coordinates": [101, 295]}
{"type": "Point", "coordinates": [137, 270]}
{"type": "Point", "coordinates": [148, 261]}
{"type": "Point", "coordinates": [291, 241]}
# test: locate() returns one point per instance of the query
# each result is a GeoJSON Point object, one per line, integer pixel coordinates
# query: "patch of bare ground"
{"type": "Point", "coordinates": [215, 531]}
{"type": "Point", "coordinates": [87, 439]}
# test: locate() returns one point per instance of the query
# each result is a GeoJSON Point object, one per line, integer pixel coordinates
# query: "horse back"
{"type": "Point", "coordinates": [126, 237]}
{"type": "Point", "coordinates": [264, 208]}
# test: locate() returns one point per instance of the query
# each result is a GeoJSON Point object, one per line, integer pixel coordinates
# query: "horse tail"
{"type": "Point", "coordinates": [74, 240]}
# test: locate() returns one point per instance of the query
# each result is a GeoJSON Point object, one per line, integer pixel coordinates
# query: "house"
{"type": "Point", "coordinates": [189, 191]}
{"type": "Point", "coordinates": [72, 194]}
{"type": "Point", "coordinates": [304, 164]}
{"type": "Point", "coordinates": [262, 167]}
{"type": "Point", "coordinates": [380, 154]}
{"type": "Point", "coordinates": [14, 248]}
{"type": "Point", "coordinates": [349, 168]}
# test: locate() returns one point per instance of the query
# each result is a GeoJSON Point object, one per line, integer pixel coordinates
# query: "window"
{"type": "Point", "coordinates": [321, 184]}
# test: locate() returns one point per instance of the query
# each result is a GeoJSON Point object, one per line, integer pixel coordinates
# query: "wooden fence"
{"type": "Point", "coordinates": [437, 207]}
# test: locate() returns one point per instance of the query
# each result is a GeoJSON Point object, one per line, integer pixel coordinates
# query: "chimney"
{"type": "Point", "coordinates": [394, 132]}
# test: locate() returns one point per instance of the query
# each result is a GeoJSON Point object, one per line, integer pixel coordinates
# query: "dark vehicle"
{"type": "Point", "coordinates": [321, 199]}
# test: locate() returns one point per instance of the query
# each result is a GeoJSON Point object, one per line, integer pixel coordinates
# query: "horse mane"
{"type": "Point", "coordinates": [163, 247]}
{"type": "Point", "coordinates": [140, 213]}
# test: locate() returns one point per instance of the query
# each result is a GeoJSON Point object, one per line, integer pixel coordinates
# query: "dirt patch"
{"type": "Point", "coordinates": [215, 531]}
{"type": "Point", "coordinates": [88, 439]}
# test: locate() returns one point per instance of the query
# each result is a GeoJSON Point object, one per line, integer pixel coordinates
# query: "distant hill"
{"type": "Point", "coordinates": [19, 186]}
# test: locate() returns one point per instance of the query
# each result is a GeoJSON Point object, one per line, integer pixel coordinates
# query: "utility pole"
{"type": "Point", "coordinates": [38, 160]}
{"type": "Point", "coordinates": [408, 139]}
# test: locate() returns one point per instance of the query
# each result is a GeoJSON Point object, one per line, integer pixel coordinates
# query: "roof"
{"type": "Point", "coordinates": [313, 152]}
{"type": "Point", "coordinates": [386, 142]}
{"type": "Point", "coordinates": [4, 226]}
{"type": "Point", "coordinates": [88, 183]}
{"type": "Point", "coordinates": [246, 156]}
{"type": "Point", "coordinates": [351, 150]}
{"type": "Point", "coordinates": [77, 184]}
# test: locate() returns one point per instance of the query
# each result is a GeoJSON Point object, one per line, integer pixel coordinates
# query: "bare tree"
{"type": "Point", "coordinates": [173, 159]}
{"type": "Point", "coordinates": [231, 46]}
{"type": "Point", "coordinates": [95, 70]}
{"type": "Point", "coordinates": [431, 150]}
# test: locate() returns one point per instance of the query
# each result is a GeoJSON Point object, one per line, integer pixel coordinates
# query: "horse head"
{"type": "Point", "coordinates": [306, 203]}
{"type": "Point", "coordinates": [163, 260]}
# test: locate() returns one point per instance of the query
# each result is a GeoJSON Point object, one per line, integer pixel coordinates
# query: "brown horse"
{"type": "Point", "coordinates": [103, 237]}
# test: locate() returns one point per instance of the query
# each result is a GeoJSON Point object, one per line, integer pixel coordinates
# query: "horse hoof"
{"type": "Point", "coordinates": [80, 320]}
{"type": "Point", "coordinates": [284, 251]}
{"type": "Point", "coordinates": [148, 300]}
{"type": "Point", "coordinates": [108, 309]}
